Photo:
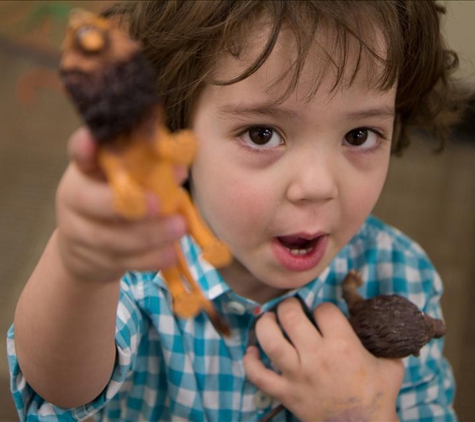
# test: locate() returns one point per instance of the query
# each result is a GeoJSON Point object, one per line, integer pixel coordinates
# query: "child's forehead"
{"type": "Point", "coordinates": [330, 59]}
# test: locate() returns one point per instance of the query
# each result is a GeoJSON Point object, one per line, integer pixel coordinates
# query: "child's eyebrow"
{"type": "Point", "coordinates": [259, 109]}
{"type": "Point", "coordinates": [382, 111]}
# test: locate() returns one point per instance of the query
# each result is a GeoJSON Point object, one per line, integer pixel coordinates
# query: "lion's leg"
{"type": "Point", "coordinates": [214, 251]}
{"type": "Point", "coordinates": [186, 302]}
{"type": "Point", "coordinates": [195, 291]}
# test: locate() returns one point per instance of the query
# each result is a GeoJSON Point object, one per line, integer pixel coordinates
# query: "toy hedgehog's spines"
{"type": "Point", "coordinates": [390, 326]}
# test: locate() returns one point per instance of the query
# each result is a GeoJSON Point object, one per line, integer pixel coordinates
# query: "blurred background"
{"type": "Point", "coordinates": [431, 197]}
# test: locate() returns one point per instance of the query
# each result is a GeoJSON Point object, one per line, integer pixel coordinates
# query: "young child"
{"type": "Point", "coordinates": [296, 107]}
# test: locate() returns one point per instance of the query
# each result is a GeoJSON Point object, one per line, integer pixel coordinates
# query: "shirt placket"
{"type": "Point", "coordinates": [255, 403]}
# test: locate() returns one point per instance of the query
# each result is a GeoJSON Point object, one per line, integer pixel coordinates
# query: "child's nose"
{"type": "Point", "coordinates": [313, 178]}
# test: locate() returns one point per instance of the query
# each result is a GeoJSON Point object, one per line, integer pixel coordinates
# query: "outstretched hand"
{"type": "Point", "coordinates": [327, 375]}
{"type": "Point", "coordinates": [96, 243]}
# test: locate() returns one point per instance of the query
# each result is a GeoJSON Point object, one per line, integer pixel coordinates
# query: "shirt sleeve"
{"type": "Point", "coordinates": [32, 407]}
{"type": "Point", "coordinates": [428, 389]}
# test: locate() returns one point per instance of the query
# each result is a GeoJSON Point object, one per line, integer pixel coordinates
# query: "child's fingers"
{"type": "Point", "coordinates": [126, 238]}
{"type": "Point", "coordinates": [82, 150]}
{"type": "Point", "coordinates": [85, 195]}
{"type": "Point", "coordinates": [333, 323]}
{"type": "Point", "coordinates": [275, 345]}
{"type": "Point", "coordinates": [151, 260]}
{"type": "Point", "coordinates": [107, 262]}
{"type": "Point", "coordinates": [300, 330]}
{"type": "Point", "coordinates": [94, 198]}
{"type": "Point", "coordinates": [262, 377]}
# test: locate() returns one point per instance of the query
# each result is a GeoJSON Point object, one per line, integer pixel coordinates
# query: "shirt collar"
{"type": "Point", "coordinates": [213, 285]}
{"type": "Point", "coordinates": [208, 277]}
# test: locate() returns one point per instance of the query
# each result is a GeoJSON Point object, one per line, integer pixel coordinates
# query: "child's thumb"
{"type": "Point", "coordinates": [82, 150]}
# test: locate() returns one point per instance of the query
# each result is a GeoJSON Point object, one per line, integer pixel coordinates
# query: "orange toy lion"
{"type": "Point", "coordinates": [112, 85]}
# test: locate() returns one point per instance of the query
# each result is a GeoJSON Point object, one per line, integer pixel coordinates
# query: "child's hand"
{"type": "Point", "coordinates": [324, 376]}
{"type": "Point", "coordinates": [95, 243]}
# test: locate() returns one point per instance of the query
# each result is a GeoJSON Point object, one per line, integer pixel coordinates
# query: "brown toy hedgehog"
{"type": "Point", "coordinates": [113, 87]}
{"type": "Point", "coordinates": [389, 326]}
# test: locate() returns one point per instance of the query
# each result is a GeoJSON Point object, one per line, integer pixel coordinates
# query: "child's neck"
{"type": "Point", "coordinates": [243, 283]}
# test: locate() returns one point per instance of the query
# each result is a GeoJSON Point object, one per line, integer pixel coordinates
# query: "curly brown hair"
{"type": "Point", "coordinates": [183, 39]}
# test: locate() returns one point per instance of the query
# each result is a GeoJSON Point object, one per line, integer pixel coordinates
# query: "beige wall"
{"type": "Point", "coordinates": [460, 33]}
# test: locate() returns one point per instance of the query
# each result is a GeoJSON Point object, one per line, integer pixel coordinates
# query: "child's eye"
{"type": "Point", "coordinates": [262, 137]}
{"type": "Point", "coordinates": [362, 138]}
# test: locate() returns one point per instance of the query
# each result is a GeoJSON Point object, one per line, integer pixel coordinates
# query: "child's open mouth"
{"type": "Point", "coordinates": [298, 245]}
{"type": "Point", "coordinates": [299, 252]}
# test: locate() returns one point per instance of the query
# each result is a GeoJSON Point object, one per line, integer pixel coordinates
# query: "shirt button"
{"type": "Point", "coordinates": [262, 400]}
{"type": "Point", "coordinates": [236, 308]}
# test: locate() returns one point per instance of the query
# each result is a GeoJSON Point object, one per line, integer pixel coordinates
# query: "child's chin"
{"type": "Point", "coordinates": [290, 281]}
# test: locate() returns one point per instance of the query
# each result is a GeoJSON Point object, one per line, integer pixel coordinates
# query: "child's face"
{"type": "Point", "coordinates": [287, 186]}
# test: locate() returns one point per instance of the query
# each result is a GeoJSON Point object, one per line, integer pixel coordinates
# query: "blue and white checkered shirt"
{"type": "Point", "coordinates": [174, 369]}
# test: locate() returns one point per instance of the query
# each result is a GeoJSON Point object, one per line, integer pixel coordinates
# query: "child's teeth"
{"type": "Point", "coordinates": [299, 251]}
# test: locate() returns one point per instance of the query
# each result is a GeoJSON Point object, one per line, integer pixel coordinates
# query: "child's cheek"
{"type": "Point", "coordinates": [361, 196]}
{"type": "Point", "coordinates": [238, 214]}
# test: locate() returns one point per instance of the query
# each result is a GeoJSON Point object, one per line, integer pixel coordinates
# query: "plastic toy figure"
{"type": "Point", "coordinates": [112, 85]}
{"type": "Point", "coordinates": [389, 326]}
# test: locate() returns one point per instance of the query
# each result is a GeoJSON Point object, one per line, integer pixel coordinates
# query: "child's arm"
{"type": "Point", "coordinates": [64, 332]}
{"type": "Point", "coordinates": [327, 376]}
{"type": "Point", "coordinates": [66, 316]}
